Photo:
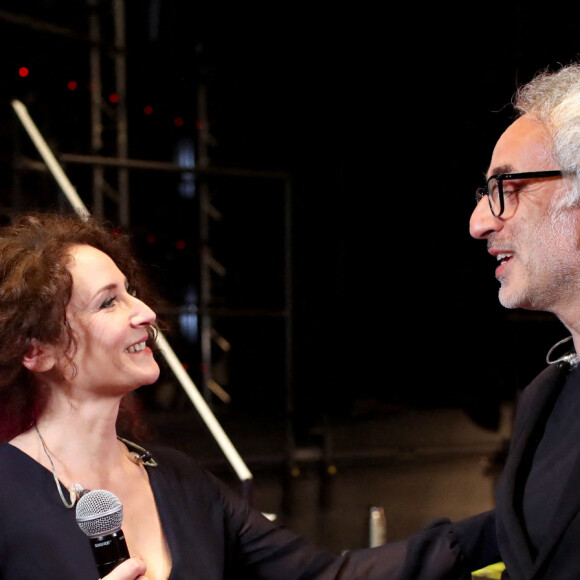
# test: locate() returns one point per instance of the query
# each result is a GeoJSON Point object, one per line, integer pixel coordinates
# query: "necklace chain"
{"type": "Point", "coordinates": [73, 489]}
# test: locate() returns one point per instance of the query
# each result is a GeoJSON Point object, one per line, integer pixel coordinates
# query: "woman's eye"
{"type": "Point", "coordinates": [108, 302]}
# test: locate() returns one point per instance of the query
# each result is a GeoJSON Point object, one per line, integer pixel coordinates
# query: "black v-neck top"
{"type": "Point", "coordinates": [212, 533]}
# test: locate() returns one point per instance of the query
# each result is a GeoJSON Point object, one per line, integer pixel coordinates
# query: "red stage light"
{"type": "Point", "coordinates": [72, 85]}
{"type": "Point", "coordinates": [23, 71]}
{"type": "Point", "coordinates": [114, 98]}
{"type": "Point", "coordinates": [148, 110]}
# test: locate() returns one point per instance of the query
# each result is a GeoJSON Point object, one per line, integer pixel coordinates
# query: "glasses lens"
{"type": "Point", "coordinates": [495, 201]}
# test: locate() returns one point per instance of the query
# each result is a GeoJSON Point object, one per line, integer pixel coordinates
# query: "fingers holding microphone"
{"type": "Point", "coordinates": [131, 569]}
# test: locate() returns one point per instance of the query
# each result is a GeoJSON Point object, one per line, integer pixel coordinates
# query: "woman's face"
{"type": "Point", "coordinates": [110, 326]}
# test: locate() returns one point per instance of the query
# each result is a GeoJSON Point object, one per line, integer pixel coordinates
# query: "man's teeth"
{"type": "Point", "coordinates": [136, 347]}
{"type": "Point", "coordinates": [502, 257]}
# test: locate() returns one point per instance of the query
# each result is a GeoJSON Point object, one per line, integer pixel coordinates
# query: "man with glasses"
{"type": "Point", "coordinates": [528, 212]}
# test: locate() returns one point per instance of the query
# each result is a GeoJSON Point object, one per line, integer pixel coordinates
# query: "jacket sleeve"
{"type": "Point", "coordinates": [447, 550]}
{"type": "Point", "coordinates": [444, 550]}
{"type": "Point", "coordinates": [217, 533]}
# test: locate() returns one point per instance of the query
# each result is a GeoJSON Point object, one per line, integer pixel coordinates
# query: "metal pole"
{"type": "Point", "coordinates": [96, 110]}
{"type": "Point", "coordinates": [288, 345]}
{"type": "Point", "coordinates": [211, 422]}
{"type": "Point", "coordinates": [205, 323]}
{"type": "Point", "coordinates": [121, 117]}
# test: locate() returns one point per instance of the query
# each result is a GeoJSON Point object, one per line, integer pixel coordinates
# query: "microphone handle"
{"type": "Point", "coordinates": [109, 551]}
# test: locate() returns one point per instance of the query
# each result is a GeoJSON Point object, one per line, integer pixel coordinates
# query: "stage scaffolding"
{"type": "Point", "coordinates": [111, 165]}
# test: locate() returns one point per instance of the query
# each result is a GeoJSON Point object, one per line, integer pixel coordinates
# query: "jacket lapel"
{"type": "Point", "coordinates": [567, 508]}
{"type": "Point", "coordinates": [536, 400]}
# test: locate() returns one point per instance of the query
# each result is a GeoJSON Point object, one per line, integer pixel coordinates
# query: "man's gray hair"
{"type": "Point", "coordinates": [553, 99]}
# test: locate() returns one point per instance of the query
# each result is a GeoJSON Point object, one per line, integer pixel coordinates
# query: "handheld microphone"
{"type": "Point", "coordinates": [99, 514]}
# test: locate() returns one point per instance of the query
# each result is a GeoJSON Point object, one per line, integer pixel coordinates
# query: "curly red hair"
{"type": "Point", "coordinates": [35, 289]}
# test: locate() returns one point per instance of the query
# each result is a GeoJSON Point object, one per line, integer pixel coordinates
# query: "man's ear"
{"type": "Point", "coordinates": [40, 357]}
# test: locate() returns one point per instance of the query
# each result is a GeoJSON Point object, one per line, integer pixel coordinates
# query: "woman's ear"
{"type": "Point", "coordinates": [40, 357]}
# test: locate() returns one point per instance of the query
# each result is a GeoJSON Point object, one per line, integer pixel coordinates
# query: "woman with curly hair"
{"type": "Point", "coordinates": [76, 340]}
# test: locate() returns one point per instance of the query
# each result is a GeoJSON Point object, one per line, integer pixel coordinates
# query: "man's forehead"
{"type": "Point", "coordinates": [524, 146]}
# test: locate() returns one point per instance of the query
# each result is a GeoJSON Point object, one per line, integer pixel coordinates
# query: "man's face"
{"type": "Point", "coordinates": [537, 247]}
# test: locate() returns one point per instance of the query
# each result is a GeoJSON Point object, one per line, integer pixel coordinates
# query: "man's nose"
{"type": "Point", "coordinates": [483, 222]}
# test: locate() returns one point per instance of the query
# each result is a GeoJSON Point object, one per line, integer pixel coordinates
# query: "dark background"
{"type": "Point", "coordinates": [386, 124]}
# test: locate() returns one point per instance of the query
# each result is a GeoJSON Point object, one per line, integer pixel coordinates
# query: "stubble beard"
{"type": "Point", "coordinates": [547, 273]}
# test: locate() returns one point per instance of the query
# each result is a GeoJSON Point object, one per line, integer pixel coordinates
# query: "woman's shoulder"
{"type": "Point", "coordinates": [178, 469]}
{"type": "Point", "coordinates": [21, 477]}
{"type": "Point", "coordinates": [11, 455]}
{"type": "Point", "coordinates": [18, 466]}
{"type": "Point", "coordinates": [178, 465]}
{"type": "Point", "coordinates": [172, 458]}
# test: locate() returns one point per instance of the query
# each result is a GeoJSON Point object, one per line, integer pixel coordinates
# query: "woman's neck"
{"type": "Point", "coordinates": [78, 440]}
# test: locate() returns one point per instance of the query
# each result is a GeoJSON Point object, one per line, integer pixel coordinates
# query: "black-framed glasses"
{"type": "Point", "coordinates": [502, 197]}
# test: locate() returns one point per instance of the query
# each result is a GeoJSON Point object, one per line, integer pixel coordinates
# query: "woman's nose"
{"type": "Point", "coordinates": [142, 315]}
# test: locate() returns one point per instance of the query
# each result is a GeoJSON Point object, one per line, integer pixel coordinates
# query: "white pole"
{"type": "Point", "coordinates": [50, 160]}
{"type": "Point", "coordinates": [189, 387]}
{"type": "Point", "coordinates": [203, 409]}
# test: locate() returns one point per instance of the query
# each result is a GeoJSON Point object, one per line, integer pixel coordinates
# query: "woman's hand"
{"type": "Point", "coordinates": [131, 569]}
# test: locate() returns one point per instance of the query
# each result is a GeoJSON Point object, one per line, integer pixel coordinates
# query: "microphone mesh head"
{"type": "Point", "coordinates": [99, 512]}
